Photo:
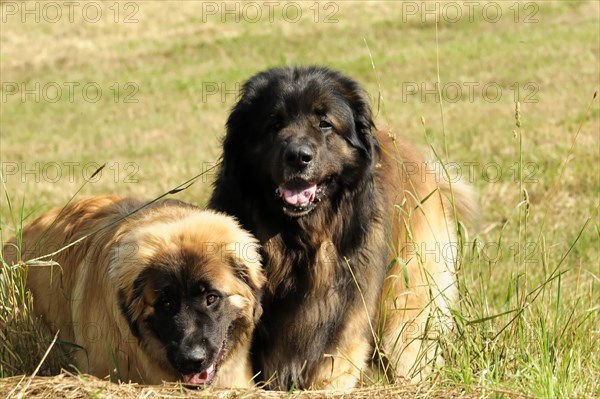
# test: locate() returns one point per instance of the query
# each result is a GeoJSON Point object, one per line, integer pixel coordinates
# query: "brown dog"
{"type": "Point", "coordinates": [355, 234]}
{"type": "Point", "coordinates": [170, 292]}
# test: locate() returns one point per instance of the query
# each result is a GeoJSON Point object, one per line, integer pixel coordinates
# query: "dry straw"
{"type": "Point", "coordinates": [69, 386]}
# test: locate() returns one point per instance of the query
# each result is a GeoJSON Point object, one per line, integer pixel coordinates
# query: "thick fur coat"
{"type": "Point", "coordinates": [357, 239]}
{"type": "Point", "coordinates": [170, 292]}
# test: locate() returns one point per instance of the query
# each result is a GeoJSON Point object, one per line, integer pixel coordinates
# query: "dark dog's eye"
{"type": "Point", "coordinates": [275, 123]}
{"type": "Point", "coordinates": [211, 299]}
{"type": "Point", "coordinates": [166, 305]}
{"type": "Point", "coordinates": [324, 125]}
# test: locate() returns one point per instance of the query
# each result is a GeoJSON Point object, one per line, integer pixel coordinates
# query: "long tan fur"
{"type": "Point", "coordinates": [420, 287]}
{"type": "Point", "coordinates": [80, 296]}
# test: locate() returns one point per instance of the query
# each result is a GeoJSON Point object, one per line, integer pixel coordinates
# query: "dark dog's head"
{"type": "Point", "coordinates": [190, 291]}
{"type": "Point", "coordinates": [300, 136]}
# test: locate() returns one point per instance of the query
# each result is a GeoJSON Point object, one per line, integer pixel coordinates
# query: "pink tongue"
{"type": "Point", "coordinates": [298, 195]}
{"type": "Point", "coordinates": [198, 378]}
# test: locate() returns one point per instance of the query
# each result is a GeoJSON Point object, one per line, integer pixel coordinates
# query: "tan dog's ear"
{"type": "Point", "coordinates": [251, 275]}
{"type": "Point", "coordinates": [249, 270]}
{"type": "Point", "coordinates": [245, 259]}
{"type": "Point", "coordinates": [258, 310]}
{"type": "Point", "coordinates": [247, 265]}
{"type": "Point", "coordinates": [132, 299]}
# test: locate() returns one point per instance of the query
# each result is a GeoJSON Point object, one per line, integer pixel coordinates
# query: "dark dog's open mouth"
{"type": "Point", "coordinates": [300, 196]}
{"type": "Point", "coordinates": [207, 376]}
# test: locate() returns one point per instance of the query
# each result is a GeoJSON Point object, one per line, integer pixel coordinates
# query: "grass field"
{"type": "Point", "coordinates": [145, 88]}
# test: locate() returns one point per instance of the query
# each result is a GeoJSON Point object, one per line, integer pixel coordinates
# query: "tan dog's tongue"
{"type": "Point", "coordinates": [199, 378]}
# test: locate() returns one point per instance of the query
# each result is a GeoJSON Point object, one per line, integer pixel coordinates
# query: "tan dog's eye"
{"type": "Point", "coordinates": [210, 299]}
{"type": "Point", "coordinates": [325, 125]}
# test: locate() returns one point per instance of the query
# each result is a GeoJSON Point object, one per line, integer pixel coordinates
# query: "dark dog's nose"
{"type": "Point", "coordinates": [193, 359]}
{"type": "Point", "coordinates": [299, 155]}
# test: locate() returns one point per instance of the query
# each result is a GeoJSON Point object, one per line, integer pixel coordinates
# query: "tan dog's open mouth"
{"type": "Point", "coordinates": [207, 376]}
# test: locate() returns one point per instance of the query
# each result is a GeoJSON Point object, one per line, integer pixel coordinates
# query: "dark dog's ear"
{"type": "Point", "coordinates": [234, 136]}
{"type": "Point", "coordinates": [245, 118]}
{"type": "Point", "coordinates": [363, 137]}
{"type": "Point", "coordinates": [239, 131]}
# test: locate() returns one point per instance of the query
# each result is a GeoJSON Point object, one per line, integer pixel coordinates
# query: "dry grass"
{"type": "Point", "coordinates": [68, 386]}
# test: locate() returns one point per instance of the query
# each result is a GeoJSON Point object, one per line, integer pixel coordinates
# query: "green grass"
{"type": "Point", "coordinates": [528, 317]}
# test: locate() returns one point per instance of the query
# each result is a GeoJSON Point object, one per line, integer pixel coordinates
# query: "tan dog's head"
{"type": "Point", "coordinates": [189, 287]}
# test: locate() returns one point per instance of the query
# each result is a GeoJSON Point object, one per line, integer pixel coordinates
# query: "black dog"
{"type": "Point", "coordinates": [305, 170]}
